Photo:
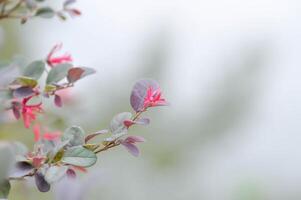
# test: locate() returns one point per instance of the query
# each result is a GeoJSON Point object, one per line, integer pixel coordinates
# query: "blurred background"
{"type": "Point", "coordinates": [229, 68]}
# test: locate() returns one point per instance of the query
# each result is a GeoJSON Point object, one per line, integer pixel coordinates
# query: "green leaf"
{"type": "Point", "coordinates": [75, 135]}
{"type": "Point", "coordinates": [45, 12]}
{"type": "Point", "coordinates": [34, 69]}
{"type": "Point", "coordinates": [55, 173]}
{"type": "Point", "coordinates": [79, 156]}
{"type": "Point", "coordinates": [58, 73]}
{"type": "Point", "coordinates": [27, 81]}
{"type": "Point", "coordinates": [117, 126]}
{"type": "Point", "coordinates": [4, 189]}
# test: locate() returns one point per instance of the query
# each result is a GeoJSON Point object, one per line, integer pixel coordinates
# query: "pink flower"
{"type": "Point", "coordinates": [129, 144]}
{"type": "Point", "coordinates": [52, 60]}
{"type": "Point", "coordinates": [153, 98]}
{"type": "Point", "coordinates": [29, 111]}
{"type": "Point", "coordinates": [50, 136]}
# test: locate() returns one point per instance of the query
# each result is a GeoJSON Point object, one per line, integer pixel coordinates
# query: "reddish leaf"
{"type": "Point", "coordinates": [74, 74]}
{"type": "Point", "coordinates": [71, 173]}
{"type": "Point", "coordinates": [74, 12]}
{"type": "Point", "coordinates": [89, 137]}
{"type": "Point", "coordinates": [58, 101]}
{"type": "Point", "coordinates": [16, 112]}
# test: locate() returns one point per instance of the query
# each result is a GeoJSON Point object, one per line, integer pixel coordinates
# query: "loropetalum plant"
{"type": "Point", "coordinates": [55, 154]}
{"type": "Point", "coordinates": [28, 9]}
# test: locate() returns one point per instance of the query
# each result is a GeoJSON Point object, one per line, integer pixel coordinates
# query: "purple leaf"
{"type": "Point", "coordinates": [22, 92]}
{"type": "Point", "coordinates": [89, 137]}
{"type": "Point", "coordinates": [131, 148]}
{"type": "Point", "coordinates": [139, 93]}
{"type": "Point", "coordinates": [71, 173]}
{"type": "Point", "coordinates": [143, 121]}
{"type": "Point", "coordinates": [41, 183]}
{"type": "Point", "coordinates": [21, 168]}
{"type": "Point", "coordinates": [134, 139]}
{"type": "Point", "coordinates": [58, 101]}
{"type": "Point", "coordinates": [16, 112]}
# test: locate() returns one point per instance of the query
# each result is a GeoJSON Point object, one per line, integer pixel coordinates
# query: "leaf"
{"type": "Point", "coordinates": [19, 148]}
{"type": "Point", "coordinates": [79, 156]}
{"type": "Point", "coordinates": [58, 73]}
{"type": "Point", "coordinates": [16, 112]}
{"type": "Point", "coordinates": [139, 93]}
{"type": "Point", "coordinates": [45, 12]}
{"type": "Point", "coordinates": [68, 2]}
{"type": "Point", "coordinates": [117, 124]}
{"type": "Point", "coordinates": [21, 168]}
{"type": "Point", "coordinates": [75, 135]}
{"type": "Point", "coordinates": [90, 136]}
{"type": "Point", "coordinates": [87, 71]}
{"type": "Point", "coordinates": [27, 81]}
{"type": "Point", "coordinates": [55, 173]}
{"type": "Point", "coordinates": [22, 92]}
{"type": "Point", "coordinates": [4, 189]}
{"type": "Point", "coordinates": [71, 173]}
{"type": "Point", "coordinates": [35, 69]}
{"type": "Point", "coordinates": [41, 183]}
{"type": "Point", "coordinates": [133, 149]}
{"type": "Point", "coordinates": [58, 101]}
{"type": "Point", "coordinates": [74, 74]}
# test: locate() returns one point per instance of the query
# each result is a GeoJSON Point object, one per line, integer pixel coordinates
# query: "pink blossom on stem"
{"type": "Point", "coordinates": [51, 136]}
{"type": "Point", "coordinates": [54, 60]}
{"type": "Point", "coordinates": [153, 98]}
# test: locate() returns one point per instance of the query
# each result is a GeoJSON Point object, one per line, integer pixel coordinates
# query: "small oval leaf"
{"type": "Point", "coordinates": [45, 12]}
{"type": "Point", "coordinates": [35, 69]}
{"type": "Point", "coordinates": [41, 183]}
{"type": "Point", "coordinates": [22, 92]}
{"type": "Point", "coordinates": [75, 135]}
{"type": "Point", "coordinates": [58, 73]}
{"type": "Point", "coordinates": [79, 156]}
{"type": "Point", "coordinates": [74, 74]}
{"type": "Point", "coordinates": [58, 101]}
{"type": "Point", "coordinates": [55, 173]}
